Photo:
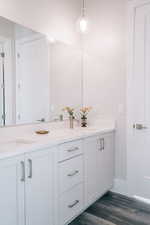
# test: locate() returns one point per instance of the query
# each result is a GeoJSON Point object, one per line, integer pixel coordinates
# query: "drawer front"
{"type": "Point", "coordinates": [69, 150]}
{"type": "Point", "coordinates": [70, 173]}
{"type": "Point", "coordinates": [71, 203]}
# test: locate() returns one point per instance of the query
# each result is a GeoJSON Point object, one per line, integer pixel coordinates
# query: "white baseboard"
{"type": "Point", "coordinates": [145, 200]}
{"type": "Point", "coordinates": [120, 186]}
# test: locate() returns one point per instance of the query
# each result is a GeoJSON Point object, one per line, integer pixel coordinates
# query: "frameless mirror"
{"type": "Point", "coordinates": [37, 77]}
{"type": "Point", "coordinates": [66, 77]}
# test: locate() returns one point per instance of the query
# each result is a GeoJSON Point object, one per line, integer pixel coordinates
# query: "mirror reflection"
{"type": "Point", "coordinates": [37, 77]}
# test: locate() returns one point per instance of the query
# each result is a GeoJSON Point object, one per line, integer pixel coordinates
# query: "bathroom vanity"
{"type": "Point", "coordinates": [47, 179]}
{"type": "Point", "coordinates": [51, 179]}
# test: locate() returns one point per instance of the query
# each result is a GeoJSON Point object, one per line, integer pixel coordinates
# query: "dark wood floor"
{"type": "Point", "coordinates": [114, 209]}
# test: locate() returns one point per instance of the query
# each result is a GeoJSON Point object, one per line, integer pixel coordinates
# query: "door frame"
{"type": "Point", "coordinates": [1, 88]}
{"type": "Point", "coordinates": [132, 6]}
{"type": "Point", "coordinates": [8, 47]}
{"type": "Point", "coordinates": [18, 42]}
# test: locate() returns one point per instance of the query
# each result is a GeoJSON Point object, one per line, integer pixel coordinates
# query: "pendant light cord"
{"type": "Point", "coordinates": [83, 8]}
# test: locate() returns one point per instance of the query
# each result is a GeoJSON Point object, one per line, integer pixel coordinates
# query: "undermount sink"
{"type": "Point", "coordinates": [24, 141]}
{"type": "Point", "coordinates": [19, 141]}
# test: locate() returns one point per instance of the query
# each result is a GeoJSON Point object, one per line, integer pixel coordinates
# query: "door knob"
{"type": "Point", "coordinates": [139, 126]}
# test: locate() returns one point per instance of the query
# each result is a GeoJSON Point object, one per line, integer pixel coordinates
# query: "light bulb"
{"type": "Point", "coordinates": [83, 25]}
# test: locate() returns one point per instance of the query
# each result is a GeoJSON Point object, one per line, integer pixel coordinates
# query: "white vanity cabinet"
{"type": "Point", "coordinates": [26, 189]}
{"type": "Point", "coordinates": [106, 163]}
{"type": "Point", "coordinates": [53, 186]}
{"type": "Point", "coordinates": [70, 181]}
{"type": "Point", "coordinates": [12, 191]}
{"type": "Point", "coordinates": [39, 187]}
{"type": "Point", "coordinates": [85, 173]}
{"type": "Point", "coordinates": [99, 166]}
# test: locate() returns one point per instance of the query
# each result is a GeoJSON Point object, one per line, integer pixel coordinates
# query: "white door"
{"type": "Point", "coordinates": [32, 77]}
{"type": "Point", "coordinates": [39, 188]}
{"type": "Point", "coordinates": [12, 191]}
{"type": "Point", "coordinates": [139, 108]}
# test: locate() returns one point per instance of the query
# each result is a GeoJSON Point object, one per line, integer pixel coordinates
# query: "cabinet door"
{"type": "Point", "coordinates": [99, 166]}
{"type": "Point", "coordinates": [91, 149]}
{"type": "Point", "coordinates": [39, 188]}
{"type": "Point", "coordinates": [12, 191]}
{"type": "Point", "coordinates": [105, 163]}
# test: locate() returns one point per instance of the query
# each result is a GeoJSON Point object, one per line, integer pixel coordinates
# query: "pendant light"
{"type": "Point", "coordinates": [83, 21]}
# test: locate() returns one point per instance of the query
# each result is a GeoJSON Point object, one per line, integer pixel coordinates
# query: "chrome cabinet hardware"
{"type": "Point", "coordinates": [73, 149]}
{"type": "Point", "coordinates": [74, 204]}
{"type": "Point", "coordinates": [23, 171]}
{"type": "Point", "coordinates": [139, 126]}
{"type": "Point", "coordinates": [102, 144]}
{"type": "Point", "coordinates": [73, 174]}
{"type": "Point", "coordinates": [30, 168]}
{"type": "Point", "coordinates": [99, 144]}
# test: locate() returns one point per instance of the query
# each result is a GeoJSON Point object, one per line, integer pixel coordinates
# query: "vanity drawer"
{"type": "Point", "coordinates": [70, 173]}
{"type": "Point", "coordinates": [69, 150]}
{"type": "Point", "coordinates": [71, 204]}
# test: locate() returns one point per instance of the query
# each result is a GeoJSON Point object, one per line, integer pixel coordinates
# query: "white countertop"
{"type": "Point", "coordinates": [30, 141]}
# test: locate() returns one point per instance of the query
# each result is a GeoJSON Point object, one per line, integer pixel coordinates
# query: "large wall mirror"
{"type": "Point", "coordinates": [38, 77]}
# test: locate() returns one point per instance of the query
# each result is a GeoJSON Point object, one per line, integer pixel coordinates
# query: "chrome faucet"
{"type": "Point", "coordinates": [71, 120]}
{"type": "Point", "coordinates": [41, 120]}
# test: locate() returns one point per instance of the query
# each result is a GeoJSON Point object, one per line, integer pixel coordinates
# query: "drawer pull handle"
{"type": "Point", "coordinates": [30, 168]}
{"type": "Point", "coordinates": [74, 204]}
{"type": "Point", "coordinates": [73, 149]}
{"type": "Point", "coordinates": [73, 174]}
{"type": "Point", "coordinates": [23, 171]}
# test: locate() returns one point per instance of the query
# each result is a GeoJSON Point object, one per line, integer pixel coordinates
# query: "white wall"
{"type": "Point", "coordinates": [105, 68]}
{"type": "Point", "coordinates": [55, 18]}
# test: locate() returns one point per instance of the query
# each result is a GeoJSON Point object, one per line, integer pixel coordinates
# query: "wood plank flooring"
{"type": "Point", "coordinates": [115, 209]}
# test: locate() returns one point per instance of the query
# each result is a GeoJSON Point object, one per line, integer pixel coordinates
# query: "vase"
{"type": "Point", "coordinates": [83, 121]}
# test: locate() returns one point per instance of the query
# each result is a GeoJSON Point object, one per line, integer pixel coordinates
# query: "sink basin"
{"type": "Point", "coordinates": [18, 141]}
{"type": "Point", "coordinates": [24, 141]}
